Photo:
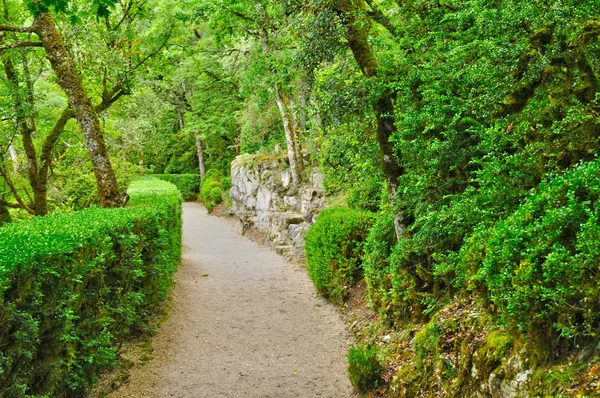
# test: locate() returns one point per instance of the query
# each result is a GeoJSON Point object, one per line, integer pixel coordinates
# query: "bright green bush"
{"type": "Point", "coordinates": [364, 368]}
{"type": "Point", "coordinates": [211, 190]}
{"type": "Point", "coordinates": [226, 183]}
{"type": "Point", "coordinates": [334, 247]}
{"type": "Point", "coordinates": [188, 184]}
{"type": "Point", "coordinates": [376, 265]}
{"type": "Point", "coordinates": [368, 193]}
{"type": "Point", "coordinates": [74, 285]}
{"type": "Point", "coordinates": [540, 265]}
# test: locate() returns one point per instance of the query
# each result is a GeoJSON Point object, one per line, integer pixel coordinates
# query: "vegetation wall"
{"type": "Point", "coordinates": [75, 285]}
{"type": "Point", "coordinates": [188, 184]}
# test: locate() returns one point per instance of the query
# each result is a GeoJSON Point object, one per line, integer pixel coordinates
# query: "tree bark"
{"type": "Point", "coordinates": [70, 82]}
{"type": "Point", "coordinates": [200, 156]}
{"type": "Point", "coordinates": [290, 137]}
{"type": "Point", "coordinates": [4, 215]}
{"type": "Point", "coordinates": [296, 130]}
{"type": "Point", "coordinates": [40, 189]}
{"type": "Point", "coordinates": [383, 107]}
{"type": "Point", "coordinates": [14, 158]}
{"type": "Point", "coordinates": [180, 118]}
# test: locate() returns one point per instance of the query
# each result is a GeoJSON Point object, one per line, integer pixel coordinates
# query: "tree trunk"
{"type": "Point", "coordinates": [200, 156]}
{"type": "Point", "coordinates": [383, 106]}
{"type": "Point", "coordinates": [40, 190]}
{"type": "Point", "coordinates": [4, 215]}
{"type": "Point", "coordinates": [290, 137]}
{"type": "Point", "coordinates": [14, 158]}
{"type": "Point", "coordinates": [296, 130]}
{"type": "Point", "coordinates": [180, 118]}
{"type": "Point", "coordinates": [70, 82]}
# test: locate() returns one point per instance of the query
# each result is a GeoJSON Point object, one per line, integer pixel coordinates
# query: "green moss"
{"type": "Point", "coordinates": [496, 345]}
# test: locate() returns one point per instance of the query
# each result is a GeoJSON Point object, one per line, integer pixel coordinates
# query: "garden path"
{"type": "Point", "coordinates": [243, 323]}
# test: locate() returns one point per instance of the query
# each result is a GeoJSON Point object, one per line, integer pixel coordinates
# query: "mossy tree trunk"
{"type": "Point", "coordinates": [26, 129]}
{"type": "Point", "coordinates": [79, 102]}
{"type": "Point", "coordinates": [4, 215]}
{"type": "Point", "coordinates": [356, 34]}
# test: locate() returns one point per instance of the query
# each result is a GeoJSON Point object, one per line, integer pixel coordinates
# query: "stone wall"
{"type": "Point", "coordinates": [264, 198]}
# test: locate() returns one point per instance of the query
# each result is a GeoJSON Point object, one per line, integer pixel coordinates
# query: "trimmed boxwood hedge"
{"type": "Point", "coordinates": [74, 285]}
{"type": "Point", "coordinates": [334, 247]}
{"type": "Point", "coordinates": [188, 184]}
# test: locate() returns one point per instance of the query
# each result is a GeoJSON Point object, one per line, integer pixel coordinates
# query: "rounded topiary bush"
{"type": "Point", "coordinates": [211, 190]}
{"type": "Point", "coordinates": [334, 247]}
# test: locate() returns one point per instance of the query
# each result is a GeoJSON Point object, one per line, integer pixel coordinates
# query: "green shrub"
{"type": "Point", "coordinates": [74, 285]}
{"type": "Point", "coordinates": [540, 265]}
{"type": "Point", "coordinates": [367, 194]}
{"type": "Point", "coordinates": [211, 191]}
{"type": "Point", "coordinates": [364, 368]}
{"type": "Point", "coordinates": [334, 246]}
{"type": "Point", "coordinates": [226, 183]}
{"type": "Point", "coordinates": [376, 265]}
{"type": "Point", "coordinates": [188, 184]}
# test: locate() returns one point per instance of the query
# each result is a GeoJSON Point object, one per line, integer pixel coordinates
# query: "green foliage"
{"type": "Point", "coordinates": [368, 194]}
{"type": "Point", "coordinates": [72, 286]}
{"type": "Point", "coordinates": [188, 184]}
{"type": "Point", "coordinates": [211, 190]}
{"type": "Point", "coordinates": [376, 265]}
{"type": "Point", "coordinates": [364, 368]}
{"type": "Point", "coordinates": [334, 246]}
{"type": "Point", "coordinates": [539, 265]}
{"type": "Point", "coordinates": [226, 183]}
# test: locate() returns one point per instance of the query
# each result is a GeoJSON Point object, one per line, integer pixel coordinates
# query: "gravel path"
{"type": "Point", "coordinates": [243, 323]}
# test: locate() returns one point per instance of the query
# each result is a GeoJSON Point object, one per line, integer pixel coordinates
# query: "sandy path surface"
{"type": "Point", "coordinates": [243, 323]}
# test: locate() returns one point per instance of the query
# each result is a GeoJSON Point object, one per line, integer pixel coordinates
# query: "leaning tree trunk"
{"type": "Point", "coordinates": [290, 138]}
{"type": "Point", "coordinates": [4, 215]}
{"type": "Point", "coordinates": [39, 187]}
{"type": "Point", "coordinates": [383, 106]}
{"type": "Point", "coordinates": [200, 156]}
{"type": "Point", "coordinates": [70, 82]}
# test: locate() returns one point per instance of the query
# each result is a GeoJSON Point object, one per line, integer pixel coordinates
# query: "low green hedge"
{"type": "Point", "coordinates": [188, 184]}
{"type": "Point", "coordinates": [334, 246]}
{"type": "Point", "coordinates": [74, 285]}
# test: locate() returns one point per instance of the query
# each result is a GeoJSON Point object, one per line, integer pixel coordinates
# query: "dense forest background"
{"type": "Point", "coordinates": [468, 130]}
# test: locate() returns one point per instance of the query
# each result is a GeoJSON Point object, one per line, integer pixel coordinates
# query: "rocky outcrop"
{"type": "Point", "coordinates": [264, 198]}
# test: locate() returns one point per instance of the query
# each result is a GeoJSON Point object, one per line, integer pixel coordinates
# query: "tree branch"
{"type": "Point", "coordinates": [8, 204]}
{"type": "Point", "coordinates": [13, 190]}
{"type": "Point", "coordinates": [152, 54]}
{"type": "Point", "coordinates": [378, 16]}
{"type": "Point", "coordinates": [10, 28]}
{"type": "Point", "coordinates": [240, 15]}
{"type": "Point", "coordinates": [50, 141]}
{"type": "Point", "coordinates": [22, 44]}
